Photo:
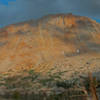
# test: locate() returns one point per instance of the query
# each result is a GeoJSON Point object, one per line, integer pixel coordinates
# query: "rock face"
{"type": "Point", "coordinates": [53, 37]}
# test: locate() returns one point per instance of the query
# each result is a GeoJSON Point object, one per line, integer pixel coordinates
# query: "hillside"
{"type": "Point", "coordinates": [61, 47]}
{"type": "Point", "coordinates": [61, 40]}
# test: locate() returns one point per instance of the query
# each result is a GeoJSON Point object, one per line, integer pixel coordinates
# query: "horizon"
{"type": "Point", "coordinates": [16, 11]}
{"type": "Point", "coordinates": [2, 26]}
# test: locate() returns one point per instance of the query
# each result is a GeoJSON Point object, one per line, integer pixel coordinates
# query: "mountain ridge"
{"type": "Point", "coordinates": [48, 42]}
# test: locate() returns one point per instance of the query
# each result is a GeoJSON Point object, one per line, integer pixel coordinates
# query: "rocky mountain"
{"type": "Point", "coordinates": [65, 42]}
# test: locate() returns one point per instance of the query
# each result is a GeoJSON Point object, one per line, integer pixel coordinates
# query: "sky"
{"type": "Point", "coordinates": [13, 11]}
{"type": "Point", "coordinates": [5, 2]}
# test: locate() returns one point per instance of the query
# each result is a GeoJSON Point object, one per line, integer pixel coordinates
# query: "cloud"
{"type": "Point", "coordinates": [21, 10]}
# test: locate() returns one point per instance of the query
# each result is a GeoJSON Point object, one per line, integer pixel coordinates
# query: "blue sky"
{"type": "Point", "coordinates": [98, 20]}
{"type": "Point", "coordinates": [5, 2]}
{"type": "Point", "coordinates": [13, 11]}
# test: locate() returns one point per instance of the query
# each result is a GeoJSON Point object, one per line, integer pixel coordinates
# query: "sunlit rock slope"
{"type": "Point", "coordinates": [62, 41]}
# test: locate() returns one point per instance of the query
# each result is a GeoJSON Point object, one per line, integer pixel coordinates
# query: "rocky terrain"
{"type": "Point", "coordinates": [65, 44]}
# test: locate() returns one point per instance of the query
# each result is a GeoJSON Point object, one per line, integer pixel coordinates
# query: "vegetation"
{"type": "Point", "coordinates": [34, 86]}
